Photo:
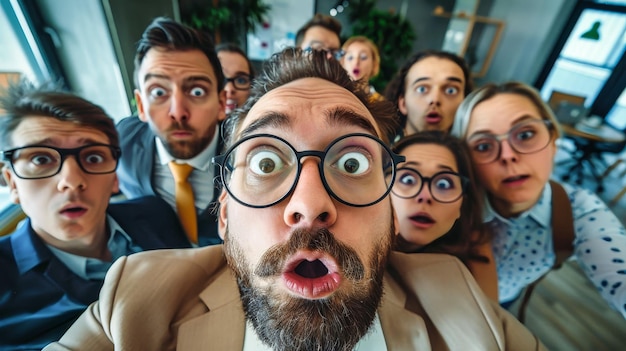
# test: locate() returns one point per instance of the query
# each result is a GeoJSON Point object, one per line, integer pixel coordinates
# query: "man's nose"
{"type": "Point", "coordinates": [310, 205]}
{"type": "Point", "coordinates": [72, 177]}
{"type": "Point", "coordinates": [178, 106]}
{"type": "Point", "coordinates": [435, 97]}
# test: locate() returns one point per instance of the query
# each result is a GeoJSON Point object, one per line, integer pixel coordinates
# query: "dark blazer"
{"type": "Point", "coordinates": [136, 168]}
{"type": "Point", "coordinates": [40, 297]}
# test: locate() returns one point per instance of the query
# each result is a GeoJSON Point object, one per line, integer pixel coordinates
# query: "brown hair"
{"type": "Point", "coordinates": [166, 34]}
{"type": "Point", "coordinates": [397, 86]}
{"type": "Point", "coordinates": [319, 20]}
{"type": "Point", "coordinates": [468, 232]}
{"type": "Point", "coordinates": [292, 64]}
{"type": "Point", "coordinates": [486, 92]}
{"type": "Point", "coordinates": [24, 99]}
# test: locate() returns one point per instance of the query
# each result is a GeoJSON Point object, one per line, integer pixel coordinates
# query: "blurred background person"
{"type": "Point", "coordinates": [428, 89]}
{"type": "Point", "coordinates": [362, 62]}
{"type": "Point", "coordinates": [238, 74]}
{"type": "Point", "coordinates": [322, 32]}
{"type": "Point", "coordinates": [167, 148]}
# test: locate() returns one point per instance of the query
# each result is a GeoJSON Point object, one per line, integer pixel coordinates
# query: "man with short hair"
{"type": "Point", "coordinates": [61, 152]}
{"type": "Point", "coordinates": [428, 89]}
{"type": "Point", "coordinates": [308, 229]}
{"type": "Point", "coordinates": [180, 103]}
{"type": "Point", "coordinates": [322, 32]}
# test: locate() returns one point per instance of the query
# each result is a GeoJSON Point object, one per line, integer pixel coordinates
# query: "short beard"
{"type": "Point", "coordinates": [334, 323]}
{"type": "Point", "coordinates": [184, 150]}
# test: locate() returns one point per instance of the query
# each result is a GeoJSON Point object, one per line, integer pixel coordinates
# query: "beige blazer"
{"type": "Point", "coordinates": [188, 300]}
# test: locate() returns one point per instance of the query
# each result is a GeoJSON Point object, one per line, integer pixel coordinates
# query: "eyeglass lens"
{"type": "Point", "coordinates": [262, 170]}
{"type": "Point", "coordinates": [240, 82]}
{"type": "Point", "coordinates": [443, 186]}
{"type": "Point", "coordinates": [525, 138]}
{"type": "Point", "coordinates": [41, 162]}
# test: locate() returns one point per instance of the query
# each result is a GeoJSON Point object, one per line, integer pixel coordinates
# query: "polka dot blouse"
{"type": "Point", "coordinates": [523, 247]}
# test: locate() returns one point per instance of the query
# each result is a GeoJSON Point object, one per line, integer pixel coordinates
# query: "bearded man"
{"type": "Point", "coordinates": [308, 227]}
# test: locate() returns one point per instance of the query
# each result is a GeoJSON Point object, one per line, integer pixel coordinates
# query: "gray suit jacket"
{"type": "Point", "coordinates": [135, 170]}
{"type": "Point", "coordinates": [430, 302]}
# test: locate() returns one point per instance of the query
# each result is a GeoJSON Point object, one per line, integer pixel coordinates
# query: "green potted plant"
{"type": "Point", "coordinates": [227, 20]}
{"type": "Point", "coordinates": [392, 34]}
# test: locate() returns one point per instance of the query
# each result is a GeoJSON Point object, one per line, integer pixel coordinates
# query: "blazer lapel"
{"type": "Point", "coordinates": [223, 326]}
{"type": "Point", "coordinates": [403, 329]}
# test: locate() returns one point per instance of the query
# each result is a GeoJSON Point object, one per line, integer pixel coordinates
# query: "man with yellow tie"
{"type": "Point", "coordinates": [168, 146]}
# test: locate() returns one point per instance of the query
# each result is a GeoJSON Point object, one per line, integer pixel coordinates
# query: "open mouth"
{"type": "Point", "coordinates": [433, 117]}
{"type": "Point", "coordinates": [515, 179]}
{"type": "Point", "coordinates": [308, 269]}
{"type": "Point", "coordinates": [73, 212]}
{"type": "Point", "coordinates": [231, 105]}
{"type": "Point", "coordinates": [423, 219]}
{"type": "Point", "coordinates": [312, 275]}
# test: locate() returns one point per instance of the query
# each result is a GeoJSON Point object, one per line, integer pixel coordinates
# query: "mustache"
{"type": "Point", "coordinates": [178, 126]}
{"type": "Point", "coordinates": [273, 260]}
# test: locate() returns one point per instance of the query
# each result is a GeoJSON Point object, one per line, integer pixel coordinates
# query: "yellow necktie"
{"type": "Point", "coordinates": [185, 204]}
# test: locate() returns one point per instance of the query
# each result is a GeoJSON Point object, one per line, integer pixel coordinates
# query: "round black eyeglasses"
{"type": "Point", "coordinates": [443, 186]}
{"type": "Point", "coordinates": [42, 161]}
{"type": "Point", "coordinates": [262, 170]}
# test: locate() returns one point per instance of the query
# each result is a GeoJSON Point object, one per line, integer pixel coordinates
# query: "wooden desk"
{"type": "Point", "coordinates": [602, 133]}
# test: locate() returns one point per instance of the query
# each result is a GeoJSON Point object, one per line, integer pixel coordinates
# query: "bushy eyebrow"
{"type": "Point", "coordinates": [334, 117]}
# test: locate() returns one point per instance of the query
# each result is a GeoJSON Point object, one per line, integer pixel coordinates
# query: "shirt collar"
{"type": "Point", "coordinates": [541, 212]}
{"type": "Point", "coordinates": [78, 264]}
{"type": "Point", "coordinates": [201, 161]}
{"type": "Point", "coordinates": [373, 340]}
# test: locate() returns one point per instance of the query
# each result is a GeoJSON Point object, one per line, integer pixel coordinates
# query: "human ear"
{"type": "Point", "coordinates": [402, 105]}
{"type": "Point", "coordinates": [10, 182]}
{"type": "Point", "coordinates": [141, 112]}
{"type": "Point", "coordinates": [223, 218]}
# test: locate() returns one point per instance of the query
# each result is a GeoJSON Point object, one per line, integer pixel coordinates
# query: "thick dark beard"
{"type": "Point", "coordinates": [334, 323]}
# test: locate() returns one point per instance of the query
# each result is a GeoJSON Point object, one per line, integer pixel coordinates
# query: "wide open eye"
{"type": "Point", "coordinates": [407, 178]}
{"type": "Point", "coordinates": [42, 159]}
{"type": "Point", "coordinates": [265, 162]}
{"type": "Point", "coordinates": [451, 90]}
{"type": "Point", "coordinates": [444, 183]}
{"type": "Point", "coordinates": [353, 163]}
{"type": "Point", "coordinates": [197, 92]}
{"type": "Point", "coordinates": [483, 145]}
{"type": "Point", "coordinates": [157, 92]}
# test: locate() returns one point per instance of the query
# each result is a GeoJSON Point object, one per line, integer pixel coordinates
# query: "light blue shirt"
{"type": "Point", "coordinates": [120, 244]}
{"type": "Point", "coordinates": [202, 179]}
{"type": "Point", "coordinates": [523, 248]}
{"type": "Point", "coordinates": [374, 340]}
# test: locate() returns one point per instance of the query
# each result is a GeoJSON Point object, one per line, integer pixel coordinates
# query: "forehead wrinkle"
{"type": "Point", "coordinates": [347, 117]}
{"type": "Point", "coordinates": [270, 119]}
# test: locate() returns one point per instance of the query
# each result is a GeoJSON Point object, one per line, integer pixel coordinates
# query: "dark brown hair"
{"type": "Point", "coordinates": [292, 64]}
{"type": "Point", "coordinates": [319, 20]}
{"type": "Point", "coordinates": [23, 99]}
{"type": "Point", "coordinates": [169, 35]}
{"type": "Point", "coordinates": [397, 86]}
{"type": "Point", "coordinates": [230, 47]}
{"type": "Point", "coordinates": [461, 241]}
